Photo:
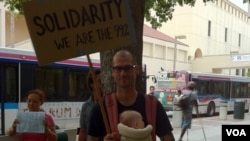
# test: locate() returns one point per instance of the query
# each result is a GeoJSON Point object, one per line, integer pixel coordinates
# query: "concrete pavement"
{"type": "Point", "coordinates": [209, 128]}
{"type": "Point", "coordinates": [203, 129]}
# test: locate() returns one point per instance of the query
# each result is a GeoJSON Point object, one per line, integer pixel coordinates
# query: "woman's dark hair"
{"type": "Point", "coordinates": [179, 91]}
{"type": "Point", "coordinates": [90, 79]}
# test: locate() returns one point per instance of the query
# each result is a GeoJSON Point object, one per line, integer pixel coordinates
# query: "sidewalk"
{"type": "Point", "coordinates": [211, 126]}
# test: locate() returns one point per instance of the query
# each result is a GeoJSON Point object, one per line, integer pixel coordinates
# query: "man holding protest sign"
{"type": "Point", "coordinates": [124, 72]}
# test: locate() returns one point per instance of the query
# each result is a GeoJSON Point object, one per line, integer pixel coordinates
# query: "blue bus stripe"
{"type": "Point", "coordinates": [10, 105]}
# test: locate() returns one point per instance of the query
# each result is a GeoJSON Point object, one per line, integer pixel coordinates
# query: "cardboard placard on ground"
{"type": "Point", "coordinates": [63, 29]}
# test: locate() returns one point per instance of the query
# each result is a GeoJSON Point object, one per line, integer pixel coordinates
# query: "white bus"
{"type": "Point", "coordinates": [213, 89]}
{"type": "Point", "coordinates": [64, 84]}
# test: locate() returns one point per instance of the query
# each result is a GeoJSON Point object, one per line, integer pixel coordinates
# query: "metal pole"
{"type": "Point", "coordinates": [175, 49]}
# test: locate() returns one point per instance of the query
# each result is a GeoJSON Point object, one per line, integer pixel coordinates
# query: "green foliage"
{"type": "Point", "coordinates": [159, 11]}
{"type": "Point", "coordinates": [14, 5]}
{"type": "Point", "coordinates": [156, 11]}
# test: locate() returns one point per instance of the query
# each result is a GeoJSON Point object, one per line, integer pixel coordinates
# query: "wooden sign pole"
{"type": "Point", "coordinates": [97, 95]}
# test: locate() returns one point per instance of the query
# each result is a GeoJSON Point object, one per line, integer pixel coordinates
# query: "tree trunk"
{"type": "Point", "coordinates": [108, 86]}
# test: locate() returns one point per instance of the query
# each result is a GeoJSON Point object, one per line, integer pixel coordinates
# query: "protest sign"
{"type": "Point", "coordinates": [30, 122]}
{"type": "Point", "coordinates": [63, 29]}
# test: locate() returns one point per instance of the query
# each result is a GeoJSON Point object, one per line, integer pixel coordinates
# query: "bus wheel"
{"type": "Point", "coordinates": [211, 109]}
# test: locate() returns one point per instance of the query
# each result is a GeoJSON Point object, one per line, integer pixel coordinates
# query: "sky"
{"type": "Point", "coordinates": [240, 4]}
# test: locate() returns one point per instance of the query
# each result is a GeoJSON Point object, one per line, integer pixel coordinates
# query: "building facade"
{"type": "Point", "coordinates": [214, 29]}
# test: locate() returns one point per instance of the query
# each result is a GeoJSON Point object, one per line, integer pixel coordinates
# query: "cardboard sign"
{"type": "Point", "coordinates": [63, 29]}
{"type": "Point", "coordinates": [30, 122]}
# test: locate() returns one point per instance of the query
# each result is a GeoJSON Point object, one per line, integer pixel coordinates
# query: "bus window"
{"type": "Point", "coordinates": [245, 93]}
{"type": "Point", "coordinates": [11, 84]}
{"type": "Point", "coordinates": [226, 93]}
{"type": "Point", "coordinates": [235, 90]}
{"type": "Point", "coordinates": [77, 85]}
{"type": "Point", "coordinates": [248, 90]}
{"type": "Point", "coordinates": [219, 87]}
{"type": "Point", "coordinates": [50, 80]}
{"type": "Point", "coordinates": [211, 87]}
{"type": "Point", "coordinates": [243, 90]}
{"type": "Point", "coordinates": [201, 87]}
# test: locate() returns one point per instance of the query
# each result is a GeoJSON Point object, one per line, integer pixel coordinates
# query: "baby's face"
{"type": "Point", "coordinates": [140, 125]}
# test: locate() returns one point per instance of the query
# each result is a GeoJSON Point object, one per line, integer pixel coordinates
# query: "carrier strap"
{"type": "Point", "coordinates": [111, 106]}
{"type": "Point", "coordinates": [150, 110]}
{"type": "Point", "coordinates": [150, 103]}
